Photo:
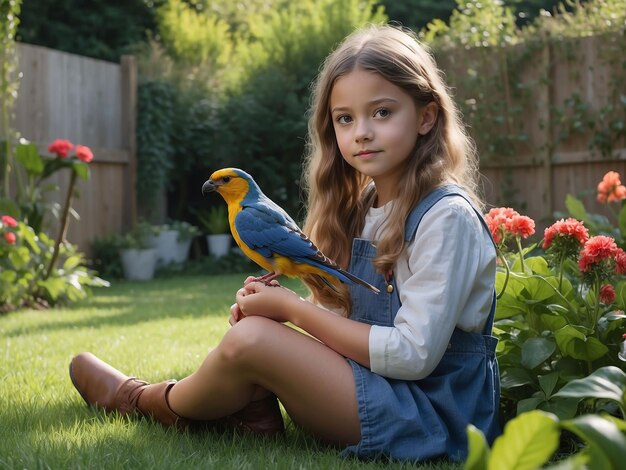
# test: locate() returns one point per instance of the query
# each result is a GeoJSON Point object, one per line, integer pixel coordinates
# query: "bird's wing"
{"type": "Point", "coordinates": [267, 229]}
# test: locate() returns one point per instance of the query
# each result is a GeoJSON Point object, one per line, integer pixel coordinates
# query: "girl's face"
{"type": "Point", "coordinates": [376, 125]}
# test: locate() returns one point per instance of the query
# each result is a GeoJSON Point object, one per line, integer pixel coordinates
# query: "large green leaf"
{"type": "Point", "coordinates": [478, 456]}
{"type": "Point", "coordinates": [573, 342]}
{"type": "Point", "coordinates": [536, 350]}
{"type": "Point", "coordinates": [576, 208]}
{"type": "Point", "coordinates": [538, 265]}
{"type": "Point", "coordinates": [28, 156]}
{"type": "Point", "coordinates": [607, 444]}
{"type": "Point", "coordinates": [527, 443]}
{"type": "Point", "coordinates": [607, 382]}
{"type": "Point", "coordinates": [537, 289]}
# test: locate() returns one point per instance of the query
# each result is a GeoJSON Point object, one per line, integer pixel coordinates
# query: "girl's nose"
{"type": "Point", "coordinates": [364, 132]}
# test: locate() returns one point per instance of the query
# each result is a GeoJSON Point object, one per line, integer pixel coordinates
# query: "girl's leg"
{"type": "Point", "coordinates": [313, 382]}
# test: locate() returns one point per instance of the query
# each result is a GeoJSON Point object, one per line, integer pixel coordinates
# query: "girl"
{"type": "Point", "coordinates": [391, 196]}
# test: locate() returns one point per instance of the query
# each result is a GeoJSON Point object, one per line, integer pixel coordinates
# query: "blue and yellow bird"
{"type": "Point", "coordinates": [268, 236]}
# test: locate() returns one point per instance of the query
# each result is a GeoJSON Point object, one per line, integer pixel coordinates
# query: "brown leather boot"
{"type": "Point", "coordinates": [103, 386]}
{"type": "Point", "coordinates": [258, 417]}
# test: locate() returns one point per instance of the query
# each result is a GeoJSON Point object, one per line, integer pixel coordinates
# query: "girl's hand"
{"type": "Point", "coordinates": [235, 312]}
{"type": "Point", "coordinates": [273, 301]}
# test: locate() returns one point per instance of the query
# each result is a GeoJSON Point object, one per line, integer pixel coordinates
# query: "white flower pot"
{"type": "Point", "coordinates": [139, 265]}
{"type": "Point", "coordinates": [169, 249]}
{"type": "Point", "coordinates": [219, 244]}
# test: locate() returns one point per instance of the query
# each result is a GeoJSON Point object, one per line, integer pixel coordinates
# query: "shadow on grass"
{"type": "Point", "coordinates": [133, 303]}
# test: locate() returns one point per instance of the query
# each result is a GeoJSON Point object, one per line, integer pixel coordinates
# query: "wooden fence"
{"type": "Point", "coordinates": [93, 103]}
{"type": "Point", "coordinates": [570, 99]}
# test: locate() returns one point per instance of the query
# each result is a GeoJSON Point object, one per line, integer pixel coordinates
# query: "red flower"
{"type": "Point", "coordinates": [520, 226]}
{"type": "Point", "coordinates": [607, 294]}
{"type": "Point", "coordinates": [620, 261]}
{"type": "Point", "coordinates": [610, 189]}
{"type": "Point", "coordinates": [570, 228]}
{"type": "Point", "coordinates": [9, 221]}
{"type": "Point", "coordinates": [61, 147]}
{"type": "Point", "coordinates": [83, 153]}
{"type": "Point", "coordinates": [596, 249]}
{"type": "Point", "coordinates": [10, 237]}
{"type": "Point", "coordinates": [497, 219]}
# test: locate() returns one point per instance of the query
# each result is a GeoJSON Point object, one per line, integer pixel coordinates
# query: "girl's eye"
{"type": "Point", "coordinates": [343, 119]}
{"type": "Point", "coordinates": [382, 112]}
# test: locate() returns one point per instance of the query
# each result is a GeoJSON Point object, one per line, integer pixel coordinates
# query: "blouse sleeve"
{"type": "Point", "coordinates": [451, 269]}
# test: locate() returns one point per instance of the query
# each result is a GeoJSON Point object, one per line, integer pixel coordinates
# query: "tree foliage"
{"type": "Point", "coordinates": [99, 28]}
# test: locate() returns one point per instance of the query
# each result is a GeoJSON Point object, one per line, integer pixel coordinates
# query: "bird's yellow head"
{"type": "Point", "coordinates": [233, 184]}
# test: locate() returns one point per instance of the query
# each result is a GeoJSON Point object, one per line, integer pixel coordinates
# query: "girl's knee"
{"type": "Point", "coordinates": [245, 339]}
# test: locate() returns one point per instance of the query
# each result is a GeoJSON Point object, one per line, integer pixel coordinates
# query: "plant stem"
{"type": "Point", "coordinates": [518, 240]}
{"type": "Point", "coordinates": [508, 272]}
{"type": "Point", "coordinates": [64, 224]}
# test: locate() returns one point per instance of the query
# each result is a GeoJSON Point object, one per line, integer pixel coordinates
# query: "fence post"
{"type": "Point", "coordinates": [129, 120]}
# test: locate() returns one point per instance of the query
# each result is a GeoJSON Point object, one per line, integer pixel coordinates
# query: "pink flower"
{"type": "Point", "coordinates": [607, 294]}
{"type": "Point", "coordinates": [610, 189]}
{"type": "Point", "coordinates": [520, 226]}
{"type": "Point", "coordinates": [9, 237]}
{"type": "Point", "coordinates": [9, 221]}
{"type": "Point", "coordinates": [83, 153]}
{"type": "Point", "coordinates": [61, 147]}
{"type": "Point", "coordinates": [569, 228]}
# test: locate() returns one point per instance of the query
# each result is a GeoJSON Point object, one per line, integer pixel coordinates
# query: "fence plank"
{"type": "Point", "coordinates": [90, 102]}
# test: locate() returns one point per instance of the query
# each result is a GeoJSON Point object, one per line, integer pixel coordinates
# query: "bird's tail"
{"type": "Point", "coordinates": [359, 281]}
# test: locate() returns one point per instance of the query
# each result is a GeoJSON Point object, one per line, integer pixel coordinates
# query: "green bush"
{"type": "Point", "coordinates": [24, 259]}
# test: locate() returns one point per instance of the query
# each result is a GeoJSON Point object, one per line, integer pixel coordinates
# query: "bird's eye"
{"type": "Point", "coordinates": [226, 179]}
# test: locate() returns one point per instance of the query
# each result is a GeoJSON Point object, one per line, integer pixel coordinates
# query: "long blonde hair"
{"type": "Point", "coordinates": [338, 196]}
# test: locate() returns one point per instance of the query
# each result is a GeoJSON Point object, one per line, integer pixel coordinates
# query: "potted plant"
{"type": "Point", "coordinates": [214, 222]}
{"type": "Point", "coordinates": [172, 241]}
{"type": "Point", "coordinates": [138, 257]}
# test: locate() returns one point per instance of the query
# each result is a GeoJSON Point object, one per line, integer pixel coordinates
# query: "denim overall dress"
{"type": "Point", "coordinates": [426, 418]}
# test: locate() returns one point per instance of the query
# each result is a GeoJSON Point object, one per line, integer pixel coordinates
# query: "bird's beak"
{"type": "Point", "coordinates": [209, 186]}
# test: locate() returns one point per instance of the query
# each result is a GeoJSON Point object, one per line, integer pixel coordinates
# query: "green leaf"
{"type": "Point", "coordinates": [515, 377]}
{"type": "Point", "coordinates": [576, 208]}
{"type": "Point", "coordinates": [54, 286]}
{"type": "Point", "coordinates": [81, 169]}
{"type": "Point", "coordinates": [573, 342]}
{"type": "Point", "coordinates": [478, 449]}
{"type": "Point", "coordinates": [536, 350]}
{"type": "Point", "coordinates": [28, 156]}
{"type": "Point", "coordinates": [9, 207]}
{"type": "Point", "coordinates": [553, 322]}
{"type": "Point", "coordinates": [548, 382]}
{"type": "Point", "coordinates": [538, 265]}
{"type": "Point", "coordinates": [606, 442]}
{"type": "Point", "coordinates": [622, 221]}
{"type": "Point", "coordinates": [538, 289]}
{"type": "Point", "coordinates": [528, 442]}
{"type": "Point", "coordinates": [72, 262]}
{"type": "Point", "coordinates": [564, 408]}
{"type": "Point", "coordinates": [529, 404]}
{"type": "Point", "coordinates": [607, 382]}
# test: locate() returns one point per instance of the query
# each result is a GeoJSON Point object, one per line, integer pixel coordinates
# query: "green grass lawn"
{"type": "Point", "coordinates": [157, 330]}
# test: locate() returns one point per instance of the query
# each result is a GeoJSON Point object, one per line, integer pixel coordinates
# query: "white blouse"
{"type": "Point", "coordinates": [445, 280]}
